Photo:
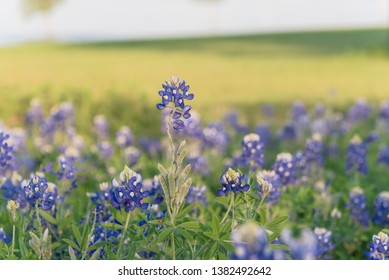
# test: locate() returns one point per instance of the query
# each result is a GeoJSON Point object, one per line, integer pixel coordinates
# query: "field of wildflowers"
{"type": "Point", "coordinates": [119, 176]}
{"type": "Point", "coordinates": [313, 188]}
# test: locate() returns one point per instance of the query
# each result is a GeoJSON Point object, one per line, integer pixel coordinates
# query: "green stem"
{"type": "Point", "coordinates": [229, 208]}
{"type": "Point", "coordinates": [40, 230]}
{"type": "Point", "coordinates": [13, 240]}
{"type": "Point", "coordinates": [124, 233]}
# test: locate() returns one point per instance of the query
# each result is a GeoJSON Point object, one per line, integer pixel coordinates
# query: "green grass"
{"type": "Point", "coordinates": [334, 67]}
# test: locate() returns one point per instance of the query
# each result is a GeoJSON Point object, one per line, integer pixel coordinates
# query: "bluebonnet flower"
{"type": "Point", "coordinates": [250, 243]}
{"type": "Point", "coordinates": [34, 115]}
{"type": "Point", "coordinates": [197, 194]}
{"type": "Point", "coordinates": [384, 111]}
{"type": "Point", "coordinates": [3, 236]}
{"type": "Point", "coordinates": [199, 164]}
{"type": "Point", "coordinates": [101, 127]}
{"type": "Point", "coordinates": [215, 137]}
{"type": "Point", "coordinates": [153, 215]}
{"type": "Point", "coordinates": [67, 169]}
{"type": "Point", "coordinates": [151, 146]}
{"type": "Point", "coordinates": [300, 161]}
{"type": "Point", "coordinates": [298, 112]}
{"type": "Point", "coordinates": [13, 190]}
{"type": "Point", "coordinates": [101, 234]}
{"type": "Point", "coordinates": [154, 189]}
{"type": "Point", "coordinates": [302, 248]}
{"type": "Point", "coordinates": [356, 156]}
{"type": "Point", "coordinates": [5, 150]}
{"type": "Point", "coordinates": [101, 202]}
{"type": "Point", "coordinates": [264, 133]}
{"type": "Point", "coordinates": [39, 192]}
{"type": "Point", "coordinates": [105, 149]}
{"type": "Point", "coordinates": [232, 181]}
{"type": "Point", "coordinates": [381, 209]}
{"type": "Point", "coordinates": [358, 207]}
{"type": "Point", "coordinates": [132, 155]}
{"type": "Point", "coordinates": [269, 186]}
{"type": "Point", "coordinates": [359, 111]}
{"type": "Point", "coordinates": [288, 132]}
{"type": "Point", "coordinates": [63, 115]}
{"type": "Point", "coordinates": [379, 247]}
{"type": "Point", "coordinates": [325, 245]}
{"type": "Point", "coordinates": [253, 151]}
{"type": "Point", "coordinates": [371, 138]}
{"type": "Point", "coordinates": [383, 155]}
{"type": "Point", "coordinates": [127, 192]}
{"type": "Point", "coordinates": [124, 137]}
{"type": "Point", "coordinates": [176, 92]}
{"type": "Point", "coordinates": [314, 150]}
{"type": "Point", "coordinates": [232, 120]}
{"type": "Point", "coordinates": [285, 169]}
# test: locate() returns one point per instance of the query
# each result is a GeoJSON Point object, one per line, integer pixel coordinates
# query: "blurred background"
{"type": "Point", "coordinates": [238, 53]}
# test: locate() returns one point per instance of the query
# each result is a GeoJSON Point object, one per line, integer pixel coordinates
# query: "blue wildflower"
{"type": "Point", "coordinates": [154, 190]}
{"type": "Point", "coordinates": [253, 151]}
{"type": "Point", "coordinates": [303, 247]}
{"type": "Point", "coordinates": [356, 156]}
{"type": "Point", "coordinates": [101, 127]}
{"type": "Point", "coordinates": [250, 243]}
{"type": "Point", "coordinates": [288, 132]}
{"type": "Point", "coordinates": [197, 194]}
{"type": "Point", "coordinates": [124, 137]}
{"type": "Point", "coordinates": [383, 155]}
{"type": "Point", "coordinates": [269, 186]}
{"type": "Point", "coordinates": [314, 150]}
{"type": "Point", "coordinates": [324, 243]}
{"type": "Point", "coordinates": [379, 247]}
{"type": "Point", "coordinates": [285, 169]}
{"type": "Point", "coordinates": [381, 209]}
{"type": "Point", "coordinates": [176, 92]}
{"type": "Point", "coordinates": [215, 137]}
{"type": "Point", "coordinates": [199, 164]}
{"type": "Point", "coordinates": [131, 155]}
{"type": "Point", "coordinates": [358, 207]}
{"type": "Point", "coordinates": [39, 192]}
{"type": "Point", "coordinates": [3, 236]}
{"type": "Point", "coordinates": [5, 150]}
{"type": "Point", "coordinates": [127, 192]}
{"type": "Point", "coordinates": [232, 181]}
{"type": "Point", "coordinates": [264, 133]}
{"type": "Point", "coordinates": [359, 111]}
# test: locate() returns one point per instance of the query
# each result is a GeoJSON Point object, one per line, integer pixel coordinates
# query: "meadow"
{"type": "Point", "coordinates": [91, 169]}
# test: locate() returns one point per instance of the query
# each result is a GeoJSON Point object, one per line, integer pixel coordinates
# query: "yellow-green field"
{"type": "Point", "coordinates": [334, 67]}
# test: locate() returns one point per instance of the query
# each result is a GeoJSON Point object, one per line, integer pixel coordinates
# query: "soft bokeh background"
{"type": "Point", "coordinates": [235, 53]}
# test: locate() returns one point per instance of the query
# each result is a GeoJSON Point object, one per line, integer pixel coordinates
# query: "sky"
{"type": "Point", "coordinates": [82, 20]}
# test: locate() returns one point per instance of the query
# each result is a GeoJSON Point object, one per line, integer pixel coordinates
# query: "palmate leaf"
{"type": "Point", "coordinates": [164, 234]}
{"type": "Point", "coordinates": [181, 153]}
{"type": "Point", "coordinates": [47, 217]}
{"type": "Point", "coordinates": [71, 253]}
{"type": "Point", "coordinates": [77, 234]}
{"type": "Point", "coordinates": [186, 210]}
{"type": "Point", "coordinates": [71, 243]}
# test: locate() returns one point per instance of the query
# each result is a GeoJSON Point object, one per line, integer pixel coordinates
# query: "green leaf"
{"type": "Point", "coordinates": [188, 236]}
{"type": "Point", "coordinates": [215, 225]}
{"type": "Point", "coordinates": [95, 255]}
{"type": "Point", "coordinates": [111, 256]}
{"type": "Point", "coordinates": [117, 214]}
{"type": "Point", "coordinates": [227, 227]}
{"type": "Point", "coordinates": [112, 226]}
{"type": "Point", "coordinates": [193, 225]}
{"type": "Point", "coordinates": [262, 215]}
{"type": "Point", "coordinates": [277, 221]}
{"type": "Point", "coordinates": [71, 243]}
{"type": "Point", "coordinates": [226, 245]}
{"type": "Point", "coordinates": [97, 245]}
{"type": "Point", "coordinates": [71, 253]}
{"type": "Point", "coordinates": [386, 230]}
{"type": "Point", "coordinates": [186, 210]}
{"type": "Point", "coordinates": [47, 217]}
{"type": "Point", "coordinates": [164, 234]}
{"type": "Point", "coordinates": [210, 252]}
{"type": "Point", "coordinates": [279, 247]}
{"type": "Point", "coordinates": [77, 234]}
